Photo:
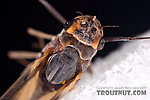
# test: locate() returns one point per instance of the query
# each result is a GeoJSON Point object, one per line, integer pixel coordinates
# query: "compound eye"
{"type": "Point", "coordinates": [67, 24]}
{"type": "Point", "coordinates": [84, 24]}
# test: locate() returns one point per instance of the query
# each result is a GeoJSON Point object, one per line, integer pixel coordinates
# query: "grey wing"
{"type": "Point", "coordinates": [62, 66]}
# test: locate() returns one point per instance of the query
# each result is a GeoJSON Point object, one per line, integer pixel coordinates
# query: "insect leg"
{"type": "Point", "coordinates": [21, 56]}
{"type": "Point", "coordinates": [40, 44]}
{"type": "Point", "coordinates": [53, 11]}
{"type": "Point", "coordinates": [41, 36]}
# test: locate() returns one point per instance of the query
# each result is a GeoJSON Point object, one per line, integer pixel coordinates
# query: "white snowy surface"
{"type": "Point", "coordinates": [128, 66]}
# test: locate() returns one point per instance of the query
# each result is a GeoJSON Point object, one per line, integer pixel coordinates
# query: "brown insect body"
{"type": "Point", "coordinates": [78, 43]}
{"type": "Point", "coordinates": [61, 63]}
{"type": "Point", "coordinates": [63, 60]}
{"type": "Point", "coordinates": [79, 46]}
{"type": "Point", "coordinates": [72, 51]}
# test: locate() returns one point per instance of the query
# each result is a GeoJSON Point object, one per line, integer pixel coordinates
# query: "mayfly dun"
{"type": "Point", "coordinates": [61, 62]}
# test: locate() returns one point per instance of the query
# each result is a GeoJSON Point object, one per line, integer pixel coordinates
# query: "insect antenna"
{"type": "Point", "coordinates": [79, 12]}
{"type": "Point", "coordinates": [53, 11]}
{"type": "Point", "coordinates": [109, 26]}
{"type": "Point", "coordinates": [115, 39]}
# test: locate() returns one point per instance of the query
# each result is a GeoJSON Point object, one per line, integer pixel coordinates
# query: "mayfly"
{"type": "Point", "coordinates": [62, 61]}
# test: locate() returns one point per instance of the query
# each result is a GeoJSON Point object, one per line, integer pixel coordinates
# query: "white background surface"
{"type": "Point", "coordinates": [127, 66]}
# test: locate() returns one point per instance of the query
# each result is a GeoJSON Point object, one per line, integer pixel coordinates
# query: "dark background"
{"type": "Point", "coordinates": [132, 16]}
